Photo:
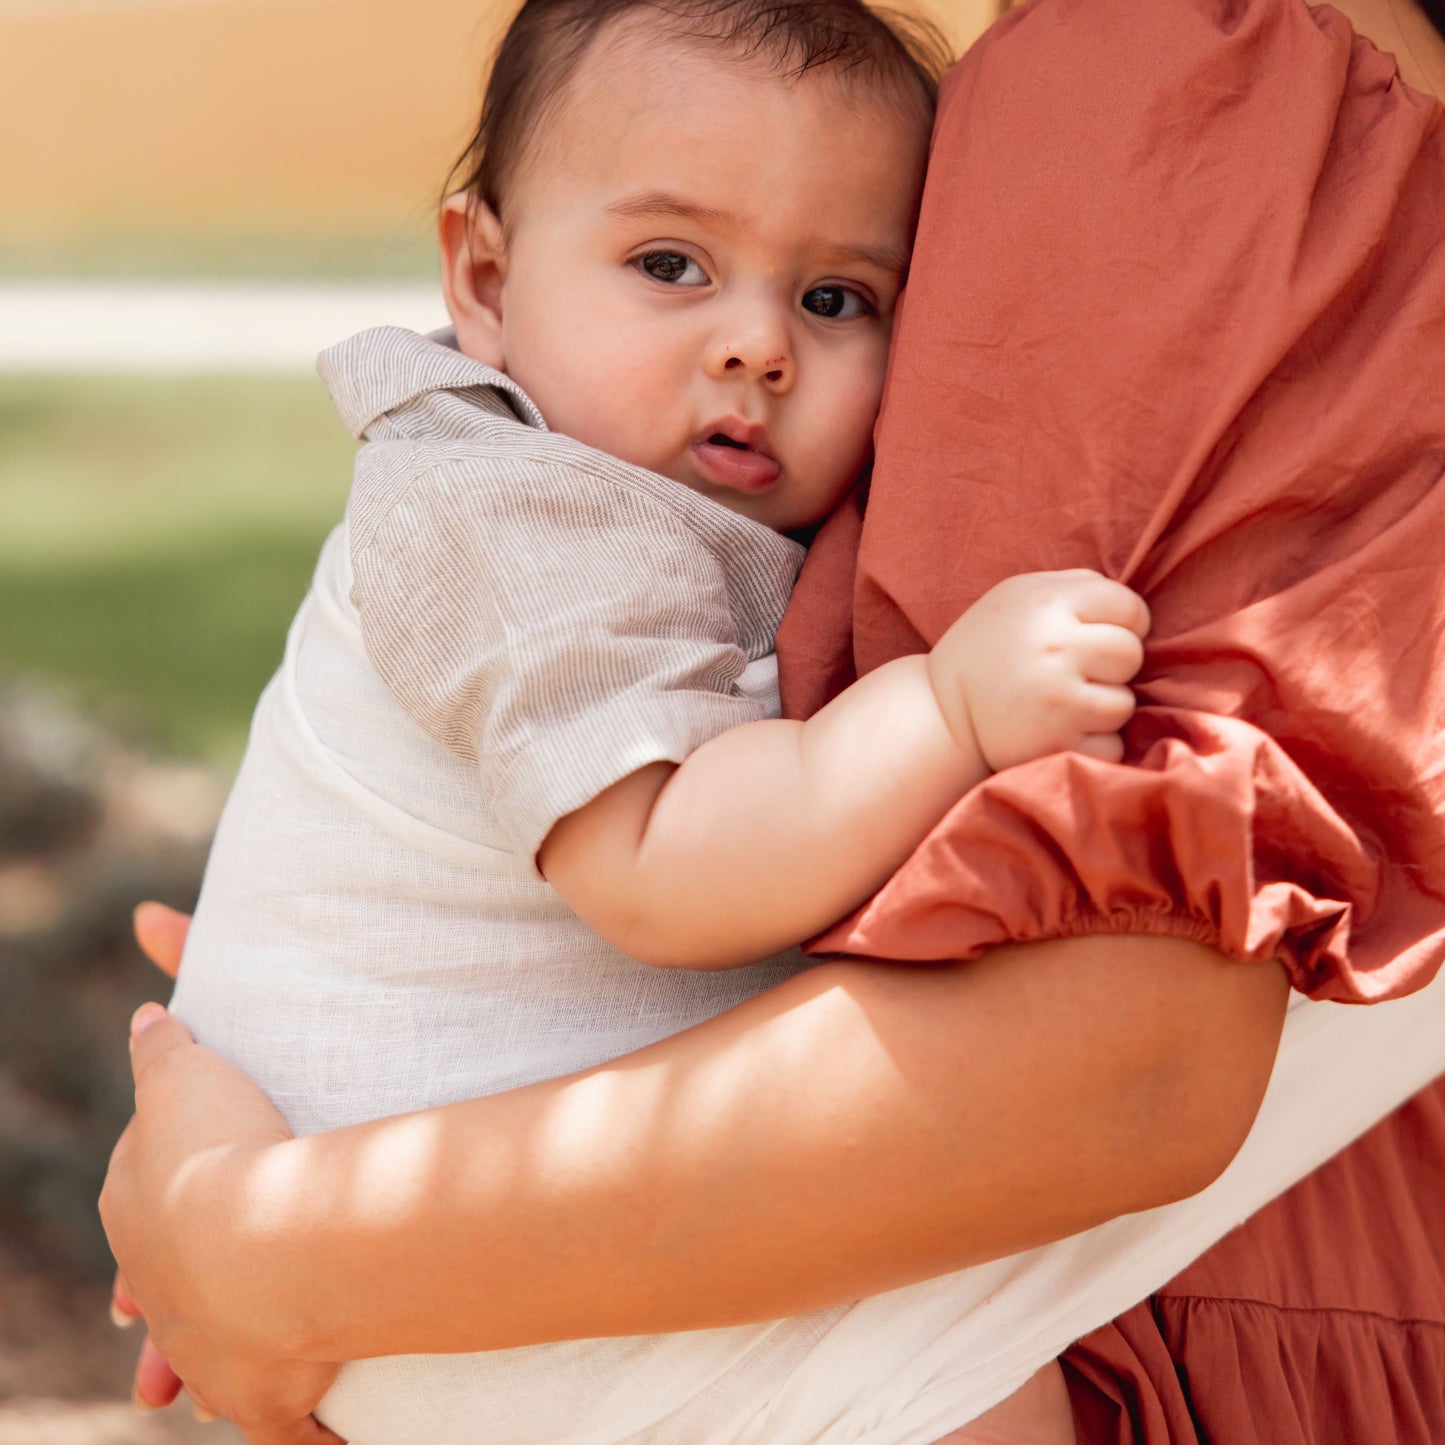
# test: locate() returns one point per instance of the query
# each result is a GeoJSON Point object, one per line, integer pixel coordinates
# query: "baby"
{"type": "Point", "coordinates": [518, 800]}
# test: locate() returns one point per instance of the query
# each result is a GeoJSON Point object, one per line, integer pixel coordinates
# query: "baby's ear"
{"type": "Point", "coordinates": [473, 267]}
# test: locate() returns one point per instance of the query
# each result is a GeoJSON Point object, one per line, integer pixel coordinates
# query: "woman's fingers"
{"type": "Point", "coordinates": [309, 1431]}
{"type": "Point", "coordinates": [124, 1311]}
{"type": "Point", "coordinates": [161, 933]}
{"type": "Point", "coordinates": [298, 1432]}
{"type": "Point", "coordinates": [156, 1384]}
{"type": "Point", "coordinates": [199, 1126]}
{"type": "Point", "coordinates": [154, 1033]}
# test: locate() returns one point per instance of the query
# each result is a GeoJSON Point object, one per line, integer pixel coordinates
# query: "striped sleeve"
{"type": "Point", "coordinates": [550, 624]}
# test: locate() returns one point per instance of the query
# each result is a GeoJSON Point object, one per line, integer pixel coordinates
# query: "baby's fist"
{"type": "Point", "coordinates": [1040, 664]}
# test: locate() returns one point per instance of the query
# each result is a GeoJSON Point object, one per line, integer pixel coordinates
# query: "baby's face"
{"type": "Point", "coordinates": [702, 266]}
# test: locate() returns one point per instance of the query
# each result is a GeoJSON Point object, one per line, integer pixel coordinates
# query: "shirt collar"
{"type": "Point", "coordinates": [377, 371]}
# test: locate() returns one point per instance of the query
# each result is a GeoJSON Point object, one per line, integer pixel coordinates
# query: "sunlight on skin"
{"type": "Point", "coordinates": [654, 1108]}
{"type": "Point", "coordinates": [396, 1166]}
{"type": "Point", "coordinates": [394, 1170]}
{"type": "Point", "coordinates": [708, 1125]}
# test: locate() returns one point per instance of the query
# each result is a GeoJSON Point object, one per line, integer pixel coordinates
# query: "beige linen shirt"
{"type": "Point", "coordinates": [507, 623]}
{"type": "Point", "coordinates": [551, 615]}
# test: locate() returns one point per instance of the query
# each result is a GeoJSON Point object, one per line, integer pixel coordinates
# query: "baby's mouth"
{"type": "Point", "coordinates": [728, 461]}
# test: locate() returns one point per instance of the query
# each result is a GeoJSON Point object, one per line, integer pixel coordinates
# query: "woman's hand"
{"type": "Point", "coordinates": [161, 933]}
{"type": "Point", "coordinates": [201, 1131]}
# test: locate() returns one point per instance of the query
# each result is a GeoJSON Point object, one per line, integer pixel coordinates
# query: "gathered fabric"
{"type": "Point", "coordinates": [1319, 1322]}
{"type": "Point", "coordinates": [1177, 313]}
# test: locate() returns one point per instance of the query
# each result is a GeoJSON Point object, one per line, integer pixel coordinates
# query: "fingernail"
{"type": "Point", "coordinates": [146, 1015]}
{"type": "Point", "coordinates": [204, 1416]}
{"type": "Point", "coordinates": [144, 1406]}
{"type": "Point", "coordinates": [119, 1318]}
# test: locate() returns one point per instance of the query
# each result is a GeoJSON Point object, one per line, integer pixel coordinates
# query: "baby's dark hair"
{"type": "Point", "coordinates": [549, 38]}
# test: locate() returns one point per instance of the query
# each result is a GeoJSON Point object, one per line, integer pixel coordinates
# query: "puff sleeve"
{"type": "Point", "coordinates": [1177, 313]}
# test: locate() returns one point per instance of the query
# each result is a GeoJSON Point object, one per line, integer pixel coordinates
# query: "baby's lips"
{"type": "Point", "coordinates": [739, 468]}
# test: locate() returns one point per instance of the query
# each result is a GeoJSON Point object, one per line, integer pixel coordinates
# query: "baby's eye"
{"type": "Point", "coordinates": [837, 303]}
{"type": "Point", "coordinates": [672, 267]}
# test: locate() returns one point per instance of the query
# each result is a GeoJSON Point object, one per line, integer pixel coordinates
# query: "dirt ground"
{"type": "Point", "coordinates": [65, 1369]}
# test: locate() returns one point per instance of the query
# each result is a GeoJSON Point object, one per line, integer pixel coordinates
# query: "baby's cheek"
{"type": "Point", "coordinates": [854, 426]}
{"type": "Point", "coordinates": [574, 404]}
{"type": "Point", "coordinates": [624, 409]}
{"type": "Point", "coordinates": [631, 430]}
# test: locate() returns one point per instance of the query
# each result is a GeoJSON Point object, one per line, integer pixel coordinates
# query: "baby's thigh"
{"type": "Point", "coordinates": [1037, 1413]}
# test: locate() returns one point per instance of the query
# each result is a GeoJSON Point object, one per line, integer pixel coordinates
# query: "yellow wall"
{"type": "Point", "coordinates": [256, 116]}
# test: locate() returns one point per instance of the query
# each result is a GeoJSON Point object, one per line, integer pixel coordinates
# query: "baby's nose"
{"type": "Point", "coordinates": [772, 369]}
{"type": "Point", "coordinates": [758, 353]}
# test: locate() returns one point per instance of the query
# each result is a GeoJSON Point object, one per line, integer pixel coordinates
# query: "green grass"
{"type": "Point", "coordinates": [158, 536]}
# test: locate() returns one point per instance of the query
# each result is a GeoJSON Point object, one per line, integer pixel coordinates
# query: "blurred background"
{"type": "Point", "coordinates": [195, 197]}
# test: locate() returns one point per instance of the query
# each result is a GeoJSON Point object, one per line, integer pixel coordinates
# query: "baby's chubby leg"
{"type": "Point", "coordinates": [1037, 1413]}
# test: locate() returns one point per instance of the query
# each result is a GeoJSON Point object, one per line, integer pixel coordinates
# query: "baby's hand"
{"type": "Point", "coordinates": [1039, 665]}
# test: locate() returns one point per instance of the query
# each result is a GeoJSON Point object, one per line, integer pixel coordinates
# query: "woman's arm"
{"type": "Point", "coordinates": [856, 1128]}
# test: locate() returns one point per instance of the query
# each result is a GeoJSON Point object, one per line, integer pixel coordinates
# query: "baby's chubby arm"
{"type": "Point", "coordinates": [772, 831]}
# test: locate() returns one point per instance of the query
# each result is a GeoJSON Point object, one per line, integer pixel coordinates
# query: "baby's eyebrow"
{"type": "Point", "coordinates": [664, 203]}
{"type": "Point", "coordinates": [892, 259]}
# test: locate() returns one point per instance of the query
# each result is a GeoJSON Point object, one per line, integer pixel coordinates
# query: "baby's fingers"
{"type": "Point", "coordinates": [1109, 653]}
{"type": "Point", "coordinates": [1107, 747]}
{"type": "Point", "coordinates": [1103, 709]}
{"type": "Point", "coordinates": [1099, 599]}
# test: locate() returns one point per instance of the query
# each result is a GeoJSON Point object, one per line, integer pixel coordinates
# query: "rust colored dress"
{"type": "Point", "coordinates": [1177, 313]}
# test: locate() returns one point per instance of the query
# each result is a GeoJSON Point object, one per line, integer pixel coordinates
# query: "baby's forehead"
{"type": "Point", "coordinates": [681, 92]}
{"type": "Point", "coordinates": [631, 49]}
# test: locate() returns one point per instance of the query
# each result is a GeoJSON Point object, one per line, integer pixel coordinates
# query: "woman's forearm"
{"type": "Point", "coordinates": [859, 1127]}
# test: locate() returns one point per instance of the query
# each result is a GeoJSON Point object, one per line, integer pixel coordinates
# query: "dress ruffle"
{"type": "Point", "coordinates": [1338, 1337]}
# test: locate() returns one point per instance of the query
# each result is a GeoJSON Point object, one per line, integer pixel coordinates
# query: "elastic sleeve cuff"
{"type": "Point", "coordinates": [1211, 833]}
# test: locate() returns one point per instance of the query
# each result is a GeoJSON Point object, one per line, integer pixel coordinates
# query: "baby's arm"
{"type": "Point", "coordinates": [771, 831]}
